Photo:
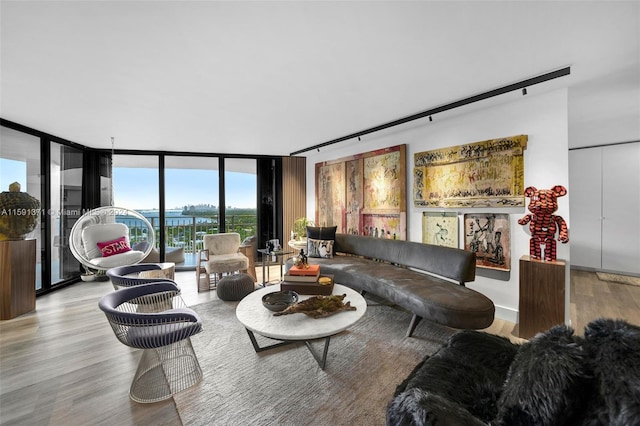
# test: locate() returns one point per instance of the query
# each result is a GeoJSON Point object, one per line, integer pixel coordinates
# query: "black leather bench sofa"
{"type": "Point", "coordinates": [427, 280]}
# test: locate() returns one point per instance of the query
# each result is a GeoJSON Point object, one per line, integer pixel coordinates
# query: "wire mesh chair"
{"type": "Point", "coordinates": [127, 276]}
{"type": "Point", "coordinates": [154, 317]}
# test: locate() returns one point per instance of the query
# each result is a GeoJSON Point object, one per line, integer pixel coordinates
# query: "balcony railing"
{"type": "Point", "coordinates": [188, 231]}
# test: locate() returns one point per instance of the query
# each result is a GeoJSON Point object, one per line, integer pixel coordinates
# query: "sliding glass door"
{"type": "Point", "coordinates": [65, 208]}
{"type": "Point", "coordinates": [135, 186]}
{"type": "Point", "coordinates": [191, 205]}
{"type": "Point", "coordinates": [240, 188]}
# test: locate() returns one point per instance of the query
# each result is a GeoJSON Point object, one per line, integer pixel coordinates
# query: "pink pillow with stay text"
{"type": "Point", "coordinates": [117, 246]}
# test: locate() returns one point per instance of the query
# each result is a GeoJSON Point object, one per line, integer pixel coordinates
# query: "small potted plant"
{"type": "Point", "coordinates": [300, 228]}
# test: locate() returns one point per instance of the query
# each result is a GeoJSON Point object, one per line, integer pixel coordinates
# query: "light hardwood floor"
{"type": "Point", "coordinates": [62, 365]}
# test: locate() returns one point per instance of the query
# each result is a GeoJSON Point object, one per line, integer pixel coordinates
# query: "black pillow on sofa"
{"type": "Point", "coordinates": [320, 240]}
{"type": "Point", "coordinates": [614, 349]}
{"type": "Point", "coordinates": [548, 381]}
{"type": "Point", "coordinates": [322, 232]}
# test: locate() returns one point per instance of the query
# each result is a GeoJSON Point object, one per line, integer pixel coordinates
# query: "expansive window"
{"type": "Point", "coordinates": [20, 162]}
{"type": "Point", "coordinates": [191, 204]}
{"type": "Point", "coordinates": [184, 196]}
{"type": "Point", "coordinates": [135, 186]}
{"type": "Point", "coordinates": [240, 188]}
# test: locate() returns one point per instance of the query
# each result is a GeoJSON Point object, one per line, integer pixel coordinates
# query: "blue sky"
{"type": "Point", "coordinates": [12, 171]}
{"type": "Point", "coordinates": [137, 188]}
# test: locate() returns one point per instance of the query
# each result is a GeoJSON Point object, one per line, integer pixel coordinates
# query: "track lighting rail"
{"type": "Point", "coordinates": [428, 113]}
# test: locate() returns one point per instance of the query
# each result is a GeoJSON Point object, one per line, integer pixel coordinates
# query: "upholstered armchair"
{"type": "Point", "coordinates": [219, 256]}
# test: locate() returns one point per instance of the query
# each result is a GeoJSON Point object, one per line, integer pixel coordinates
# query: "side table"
{"type": "Point", "coordinates": [266, 261]}
{"type": "Point", "coordinates": [167, 270]}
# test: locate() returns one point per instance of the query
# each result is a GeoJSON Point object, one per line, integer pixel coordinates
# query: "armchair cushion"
{"type": "Point", "coordinates": [127, 258]}
{"type": "Point", "coordinates": [226, 263]}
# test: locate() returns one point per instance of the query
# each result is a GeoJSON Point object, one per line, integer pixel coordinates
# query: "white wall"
{"type": "Point", "coordinates": [542, 117]}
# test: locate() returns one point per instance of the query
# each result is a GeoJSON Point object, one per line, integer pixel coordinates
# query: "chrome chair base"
{"type": "Point", "coordinates": [165, 371]}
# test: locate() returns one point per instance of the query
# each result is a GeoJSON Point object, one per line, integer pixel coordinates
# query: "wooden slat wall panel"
{"type": "Point", "coordinates": [294, 192]}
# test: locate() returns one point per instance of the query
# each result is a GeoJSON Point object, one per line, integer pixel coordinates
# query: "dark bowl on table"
{"type": "Point", "coordinates": [279, 300]}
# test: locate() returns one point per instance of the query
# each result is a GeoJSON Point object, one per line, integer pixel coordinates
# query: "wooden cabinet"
{"type": "Point", "coordinates": [17, 278]}
{"type": "Point", "coordinates": [542, 295]}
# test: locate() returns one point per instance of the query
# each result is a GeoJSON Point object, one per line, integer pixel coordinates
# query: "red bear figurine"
{"type": "Point", "coordinates": [543, 223]}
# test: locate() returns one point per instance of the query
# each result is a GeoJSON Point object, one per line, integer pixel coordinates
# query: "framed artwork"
{"type": "Point", "coordinates": [364, 193]}
{"type": "Point", "coordinates": [383, 226]}
{"type": "Point", "coordinates": [488, 236]}
{"type": "Point", "coordinates": [355, 198]}
{"type": "Point", "coordinates": [330, 195]}
{"type": "Point", "coordinates": [440, 229]}
{"type": "Point", "coordinates": [481, 174]}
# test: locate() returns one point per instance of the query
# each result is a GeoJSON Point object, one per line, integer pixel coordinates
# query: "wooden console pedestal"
{"type": "Point", "coordinates": [542, 295]}
{"type": "Point", "coordinates": [17, 278]}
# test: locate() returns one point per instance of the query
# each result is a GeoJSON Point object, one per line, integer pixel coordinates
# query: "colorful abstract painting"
{"type": "Point", "coordinates": [481, 174]}
{"type": "Point", "coordinates": [488, 236]}
{"type": "Point", "coordinates": [364, 192]}
{"type": "Point", "coordinates": [354, 195]}
{"type": "Point", "coordinates": [382, 182]}
{"type": "Point", "coordinates": [384, 226]}
{"type": "Point", "coordinates": [330, 187]}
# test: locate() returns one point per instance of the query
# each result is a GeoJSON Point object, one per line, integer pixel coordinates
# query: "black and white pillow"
{"type": "Point", "coordinates": [320, 248]}
{"type": "Point", "coordinates": [320, 241]}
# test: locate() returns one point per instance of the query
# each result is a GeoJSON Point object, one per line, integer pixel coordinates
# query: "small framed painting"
{"type": "Point", "coordinates": [488, 236]}
{"type": "Point", "coordinates": [440, 228]}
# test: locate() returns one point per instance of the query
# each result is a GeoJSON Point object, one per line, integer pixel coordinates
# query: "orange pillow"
{"type": "Point", "coordinates": [117, 246]}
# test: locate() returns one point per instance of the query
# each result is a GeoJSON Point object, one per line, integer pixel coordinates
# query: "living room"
{"type": "Point", "coordinates": [596, 105]}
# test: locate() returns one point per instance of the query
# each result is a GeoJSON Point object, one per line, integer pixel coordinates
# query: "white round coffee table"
{"type": "Point", "coordinates": [297, 327]}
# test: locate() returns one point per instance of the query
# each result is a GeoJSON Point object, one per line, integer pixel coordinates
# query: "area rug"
{"type": "Point", "coordinates": [285, 386]}
{"type": "Point", "coordinates": [616, 278]}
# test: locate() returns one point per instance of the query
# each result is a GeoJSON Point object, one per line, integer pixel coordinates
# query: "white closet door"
{"type": "Point", "coordinates": [621, 208]}
{"type": "Point", "coordinates": [585, 191]}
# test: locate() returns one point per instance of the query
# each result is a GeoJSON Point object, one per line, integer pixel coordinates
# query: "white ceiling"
{"type": "Point", "coordinates": [274, 77]}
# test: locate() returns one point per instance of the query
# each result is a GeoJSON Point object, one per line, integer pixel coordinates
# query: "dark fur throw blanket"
{"type": "Point", "coordinates": [556, 378]}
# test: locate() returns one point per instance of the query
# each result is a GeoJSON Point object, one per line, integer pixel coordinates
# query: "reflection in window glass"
{"type": "Point", "coordinates": [20, 162]}
{"type": "Point", "coordinates": [65, 208]}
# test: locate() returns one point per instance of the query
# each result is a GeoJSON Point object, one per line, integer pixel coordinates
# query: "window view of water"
{"type": "Point", "coordinates": [191, 196]}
